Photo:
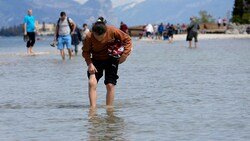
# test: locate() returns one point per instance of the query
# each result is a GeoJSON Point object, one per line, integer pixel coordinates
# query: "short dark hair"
{"type": "Point", "coordinates": [99, 27]}
{"type": "Point", "coordinates": [62, 14]}
{"type": "Point", "coordinates": [84, 24]}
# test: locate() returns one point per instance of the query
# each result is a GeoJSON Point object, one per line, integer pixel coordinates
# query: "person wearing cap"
{"type": "Point", "coordinates": [98, 58]}
{"type": "Point", "coordinates": [192, 32]}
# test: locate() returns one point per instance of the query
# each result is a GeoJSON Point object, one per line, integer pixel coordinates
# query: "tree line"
{"type": "Point", "coordinates": [16, 30]}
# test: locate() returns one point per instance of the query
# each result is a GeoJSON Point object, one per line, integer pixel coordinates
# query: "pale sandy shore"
{"type": "Point", "coordinates": [182, 37]}
{"type": "Point", "coordinates": [214, 36]}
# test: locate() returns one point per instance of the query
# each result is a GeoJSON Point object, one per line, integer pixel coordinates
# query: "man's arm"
{"type": "Point", "coordinates": [73, 26]}
{"type": "Point", "coordinates": [24, 28]}
{"type": "Point", "coordinates": [86, 49]}
{"type": "Point", "coordinates": [56, 33]}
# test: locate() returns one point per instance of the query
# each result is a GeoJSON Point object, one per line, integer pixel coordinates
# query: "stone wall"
{"type": "Point", "coordinates": [237, 29]}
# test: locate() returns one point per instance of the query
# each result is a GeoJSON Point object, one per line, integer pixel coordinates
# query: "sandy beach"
{"type": "Point", "coordinates": [214, 36]}
{"type": "Point", "coordinates": [181, 37]}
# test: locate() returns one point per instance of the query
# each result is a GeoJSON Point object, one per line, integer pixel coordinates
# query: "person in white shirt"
{"type": "Point", "coordinates": [219, 22]}
{"type": "Point", "coordinates": [64, 29]}
{"type": "Point", "coordinates": [149, 30]}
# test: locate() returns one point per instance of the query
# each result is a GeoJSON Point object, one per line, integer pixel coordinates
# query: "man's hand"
{"type": "Point", "coordinates": [55, 39]}
{"type": "Point", "coordinates": [92, 69]}
{"type": "Point", "coordinates": [72, 33]}
{"type": "Point", "coordinates": [122, 59]}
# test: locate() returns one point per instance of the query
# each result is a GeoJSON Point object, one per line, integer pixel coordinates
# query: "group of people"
{"type": "Point", "coordinates": [221, 22]}
{"type": "Point", "coordinates": [104, 48]}
{"type": "Point", "coordinates": [159, 31]}
{"type": "Point", "coordinates": [67, 34]}
{"type": "Point", "coordinates": [162, 32]}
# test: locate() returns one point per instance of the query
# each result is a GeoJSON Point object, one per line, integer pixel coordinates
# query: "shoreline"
{"type": "Point", "coordinates": [182, 37]}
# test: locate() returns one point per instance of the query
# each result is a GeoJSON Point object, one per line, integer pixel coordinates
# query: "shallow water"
{"type": "Point", "coordinates": [165, 92]}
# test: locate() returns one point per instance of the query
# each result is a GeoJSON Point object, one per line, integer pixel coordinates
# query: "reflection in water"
{"type": "Point", "coordinates": [105, 127]}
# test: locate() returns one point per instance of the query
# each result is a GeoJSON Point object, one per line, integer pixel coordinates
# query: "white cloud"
{"type": "Point", "coordinates": [199, 3]}
{"type": "Point", "coordinates": [81, 1]}
{"type": "Point", "coordinates": [122, 2]}
{"type": "Point", "coordinates": [115, 2]}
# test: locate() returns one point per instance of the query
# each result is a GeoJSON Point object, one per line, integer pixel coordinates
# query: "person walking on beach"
{"type": "Point", "coordinates": [160, 31]}
{"type": "Point", "coordinates": [85, 31]}
{"type": "Point", "coordinates": [76, 39]}
{"type": "Point", "coordinates": [64, 29]}
{"type": "Point", "coordinates": [156, 31]}
{"type": "Point", "coordinates": [170, 33]}
{"type": "Point", "coordinates": [149, 30]}
{"type": "Point", "coordinates": [100, 51]}
{"type": "Point", "coordinates": [29, 31]}
{"type": "Point", "coordinates": [192, 32]}
{"type": "Point", "coordinates": [124, 27]}
{"type": "Point", "coordinates": [224, 22]}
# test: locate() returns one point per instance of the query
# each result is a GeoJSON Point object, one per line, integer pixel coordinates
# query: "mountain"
{"type": "Point", "coordinates": [137, 12]}
{"type": "Point", "coordinates": [12, 12]}
{"type": "Point", "coordinates": [172, 11]}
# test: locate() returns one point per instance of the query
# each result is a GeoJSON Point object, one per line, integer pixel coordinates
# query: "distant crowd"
{"type": "Point", "coordinates": [162, 32]}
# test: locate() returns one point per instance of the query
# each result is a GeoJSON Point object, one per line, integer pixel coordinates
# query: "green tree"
{"type": "Point", "coordinates": [205, 17]}
{"type": "Point", "coordinates": [241, 11]}
{"type": "Point", "coordinates": [237, 11]}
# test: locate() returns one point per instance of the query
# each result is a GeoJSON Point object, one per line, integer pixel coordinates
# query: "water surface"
{"type": "Point", "coordinates": [165, 92]}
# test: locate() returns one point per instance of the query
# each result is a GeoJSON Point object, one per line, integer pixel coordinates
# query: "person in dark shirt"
{"type": "Point", "coordinates": [192, 32]}
{"type": "Point", "coordinates": [76, 39]}
{"type": "Point", "coordinates": [124, 27]}
{"type": "Point", "coordinates": [170, 33]}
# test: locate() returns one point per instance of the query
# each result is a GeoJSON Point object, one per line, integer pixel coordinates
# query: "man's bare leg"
{"type": "Point", "coordinates": [70, 54]}
{"type": "Point", "coordinates": [110, 94]}
{"type": "Point", "coordinates": [31, 51]}
{"type": "Point", "coordinates": [62, 54]}
{"type": "Point", "coordinates": [28, 50]}
{"type": "Point", "coordinates": [92, 91]}
{"type": "Point", "coordinates": [195, 44]}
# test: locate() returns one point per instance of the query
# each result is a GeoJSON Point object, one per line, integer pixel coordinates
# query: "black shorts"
{"type": "Point", "coordinates": [191, 35]}
{"type": "Point", "coordinates": [110, 67]}
{"type": "Point", "coordinates": [170, 35]}
{"type": "Point", "coordinates": [32, 39]}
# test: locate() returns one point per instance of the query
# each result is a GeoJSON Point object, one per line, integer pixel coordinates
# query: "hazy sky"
{"type": "Point", "coordinates": [115, 2]}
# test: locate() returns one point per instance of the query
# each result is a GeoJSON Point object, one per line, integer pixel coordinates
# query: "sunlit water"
{"type": "Point", "coordinates": [166, 92]}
